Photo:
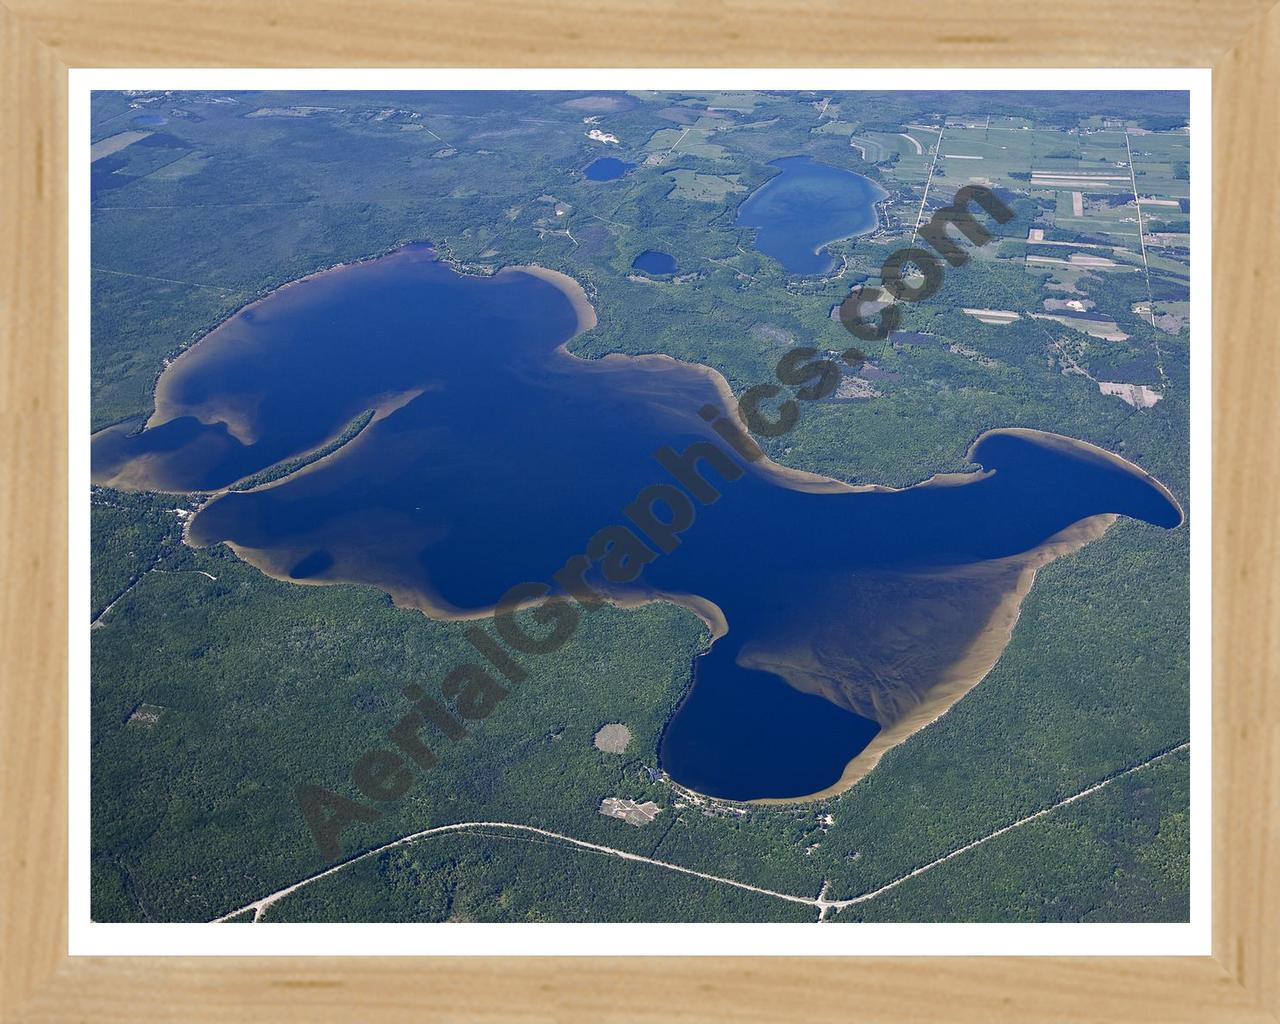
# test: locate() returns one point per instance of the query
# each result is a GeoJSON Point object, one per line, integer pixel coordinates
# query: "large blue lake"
{"type": "Point", "coordinates": [497, 456]}
{"type": "Point", "coordinates": [804, 207]}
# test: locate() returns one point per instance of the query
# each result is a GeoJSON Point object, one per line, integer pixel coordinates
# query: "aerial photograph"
{"type": "Point", "coordinates": [639, 507]}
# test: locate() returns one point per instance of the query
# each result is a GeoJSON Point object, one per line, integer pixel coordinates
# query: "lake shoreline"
{"type": "Point", "coordinates": [960, 676]}
{"type": "Point", "coordinates": [790, 171]}
{"type": "Point", "coordinates": [968, 671]}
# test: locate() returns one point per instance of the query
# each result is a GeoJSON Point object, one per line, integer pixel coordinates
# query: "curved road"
{"type": "Point", "coordinates": [820, 902]}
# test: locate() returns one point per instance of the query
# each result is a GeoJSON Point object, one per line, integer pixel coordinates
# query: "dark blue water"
{"type": "Point", "coordinates": [150, 120]}
{"type": "Point", "coordinates": [498, 456]}
{"type": "Point", "coordinates": [805, 206]}
{"type": "Point", "coordinates": [607, 168]}
{"type": "Point", "coordinates": [651, 261]}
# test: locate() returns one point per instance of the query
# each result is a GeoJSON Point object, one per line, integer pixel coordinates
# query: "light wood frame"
{"type": "Point", "coordinates": [41, 39]}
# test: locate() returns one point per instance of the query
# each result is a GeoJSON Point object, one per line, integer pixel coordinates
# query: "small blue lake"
{"type": "Point", "coordinates": [150, 120]}
{"type": "Point", "coordinates": [651, 261]}
{"type": "Point", "coordinates": [607, 168]}
{"type": "Point", "coordinates": [806, 206]}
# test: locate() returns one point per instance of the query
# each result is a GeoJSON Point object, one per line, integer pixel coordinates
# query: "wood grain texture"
{"type": "Point", "coordinates": [1246, 550]}
{"type": "Point", "coordinates": [687, 991]}
{"type": "Point", "coordinates": [40, 38]}
{"type": "Point", "coordinates": [33, 512]}
{"type": "Point", "coordinates": [645, 33]}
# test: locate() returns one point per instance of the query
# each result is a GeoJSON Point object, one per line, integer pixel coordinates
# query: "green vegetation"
{"type": "Point", "coordinates": [266, 685]}
{"type": "Point", "coordinates": [1119, 857]}
{"type": "Point", "coordinates": [283, 469]}
{"type": "Point", "coordinates": [131, 534]}
{"type": "Point", "coordinates": [494, 877]}
{"type": "Point", "coordinates": [702, 188]}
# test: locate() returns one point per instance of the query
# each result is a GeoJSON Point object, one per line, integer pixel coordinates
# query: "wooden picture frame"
{"type": "Point", "coordinates": [42, 39]}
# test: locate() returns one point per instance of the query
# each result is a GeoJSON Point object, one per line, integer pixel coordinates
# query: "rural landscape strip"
{"type": "Point", "coordinates": [167, 280]}
{"type": "Point", "coordinates": [928, 181]}
{"type": "Point", "coordinates": [1142, 242]}
{"type": "Point", "coordinates": [1146, 267]}
{"type": "Point", "coordinates": [820, 902]}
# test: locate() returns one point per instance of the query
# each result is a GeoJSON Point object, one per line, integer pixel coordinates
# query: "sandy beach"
{"type": "Point", "coordinates": [969, 670]}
